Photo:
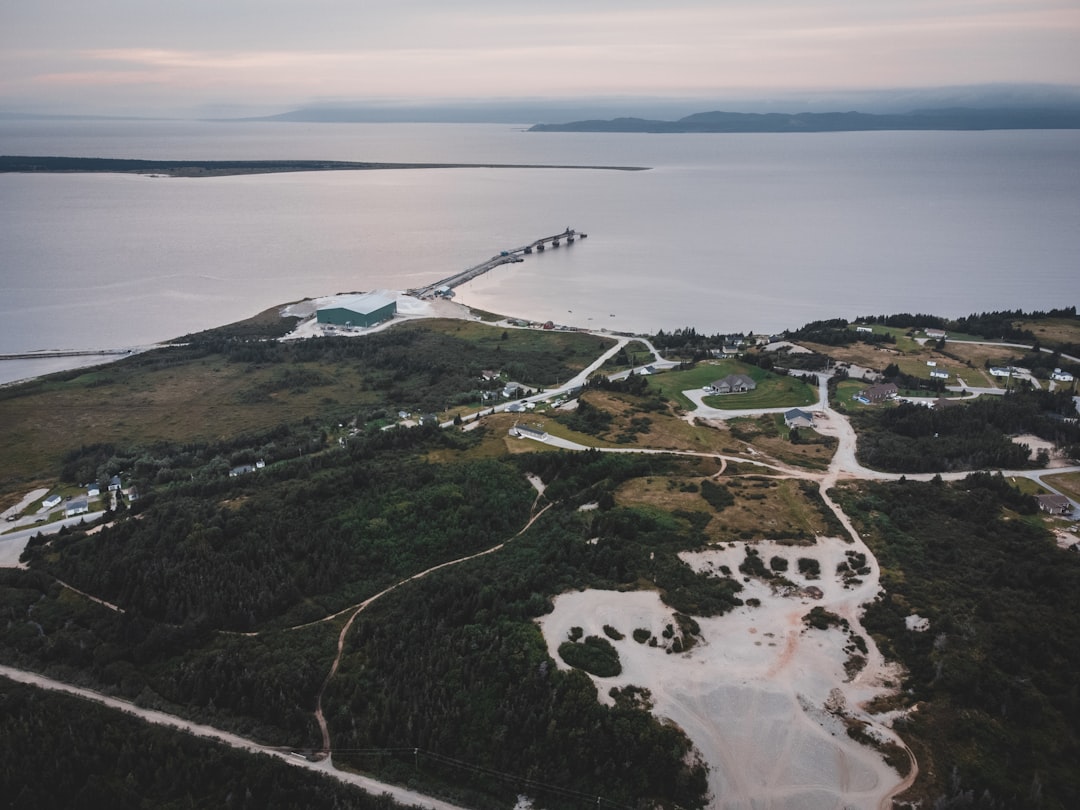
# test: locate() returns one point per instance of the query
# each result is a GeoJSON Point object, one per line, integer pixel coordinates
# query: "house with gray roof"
{"type": "Point", "coordinates": [731, 384]}
{"type": "Point", "coordinates": [797, 418]}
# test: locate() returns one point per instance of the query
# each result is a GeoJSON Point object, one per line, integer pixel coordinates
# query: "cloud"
{"type": "Point", "coordinates": [244, 50]}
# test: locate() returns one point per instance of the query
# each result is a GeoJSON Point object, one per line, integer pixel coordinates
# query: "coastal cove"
{"type": "Point", "coordinates": [725, 232]}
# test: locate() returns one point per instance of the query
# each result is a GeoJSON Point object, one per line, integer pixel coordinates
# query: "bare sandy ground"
{"type": "Point", "coordinates": [763, 697]}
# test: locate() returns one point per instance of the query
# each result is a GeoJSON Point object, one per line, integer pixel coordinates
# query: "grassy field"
{"type": "Point", "coordinates": [1053, 331]}
{"type": "Point", "coordinates": [183, 395]}
{"type": "Point", "coordinates": [764, 508]}
{"type": "Point", "coordinates": [1068, 483]}
{"type": "Point", "coordinates": [768, 436]}
{"type": "Point", "coordinates": [773, 390]}
{"type": "Point", "coordinates": [900, 333]}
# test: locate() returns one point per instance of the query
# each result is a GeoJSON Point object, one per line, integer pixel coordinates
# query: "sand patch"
{"type": "Point", "coordinates": [763, 697]}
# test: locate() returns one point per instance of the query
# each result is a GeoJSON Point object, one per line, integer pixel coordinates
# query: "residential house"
{"type": "Point", "coordinates": [51, 501]}
{"type": "Point", "coordinates": [93, 491]}
{"type": "Point", "coordinates": [79, 506]}
{"type": "Point", "coordinates": [936, 334]}
{"type": "Point", "coordinates": [879, 392]}
{"type": "Point", "coordinates": [797, 418]}
{"type": "Point", "coordinates": [731, 384]}
{"type": "Point", "coordinates": [1054, 504]}
{"type": "Point", "coordinates": [242, 469]}
{"type": "Point", "coordinates": [114, 484]}
{"type": "Point", "coordinates": [868, 329]}
{"type": "Point", "coordinates": [939, 374]}
{"type": "Point", "coordinates": [1061, 376]}
{"type": "Point", "coordinates": [528, 432]}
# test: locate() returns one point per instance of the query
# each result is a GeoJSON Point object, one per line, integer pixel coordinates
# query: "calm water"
{"type": "Point", "coordinates": [725, 232]}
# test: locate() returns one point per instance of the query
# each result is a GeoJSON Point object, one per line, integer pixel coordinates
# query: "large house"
{"type": "Point", "coordinates": [731, 384]}
{"type": "Point", "coordinates": [879, 392]}
{"type": "Point", "coordinates": [1054, 504]}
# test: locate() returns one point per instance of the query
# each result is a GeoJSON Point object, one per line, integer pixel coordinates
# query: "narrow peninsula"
{"type": "Point", "coordinates": [220, 168]}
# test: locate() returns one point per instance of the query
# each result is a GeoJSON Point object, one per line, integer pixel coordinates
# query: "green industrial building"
{"type": "Point", "coordinates": [358, 310]}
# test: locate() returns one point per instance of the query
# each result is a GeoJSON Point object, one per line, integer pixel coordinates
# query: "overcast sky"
{"type": "Point", "coordinates": [175, 56]}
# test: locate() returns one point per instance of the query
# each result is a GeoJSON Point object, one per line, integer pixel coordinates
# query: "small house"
{"type": "Point", "coordinates": [939, 374]}
{"type": "Point", "coordinates": [114, 484]}
{"type": "Point", "coordinates": [865, 329]}
{"type": "Point", "coordinates": [936, 334]}
{"type": "Point", "coordinates": [242, 469]}
{"type": "Point", "coordinates": [797, 418]}
{"type": "Point", "coordinates": [51, 501]}
{"type": "Point", "coordinates": [1061, 376]}
{"type": "Point", "coordinates": [78, 506]}
{"type": "Point", "coordinates": [528, 432]}
{"type": "Point", "coordinates": [93, 491]}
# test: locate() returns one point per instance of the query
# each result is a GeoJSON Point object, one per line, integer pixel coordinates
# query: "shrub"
{"type": "Point", "coordinates": [595, 655]}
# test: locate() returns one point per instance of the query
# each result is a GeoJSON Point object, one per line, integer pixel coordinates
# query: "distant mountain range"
{"type": "Point", "coordinates": [956, 118]}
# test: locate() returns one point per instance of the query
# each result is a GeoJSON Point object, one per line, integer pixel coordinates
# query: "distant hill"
{"type": "Point", "coordinates": [957, 118]}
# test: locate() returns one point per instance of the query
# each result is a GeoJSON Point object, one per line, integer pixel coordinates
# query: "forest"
{"type": "Point", "coordinates": [994, 681]}
{"type": "Point", "coordinates": [913, 439]}
{"type": "Point", "coordinates": [86, 757]}
{"type": "Point", "coordinates": [211, 572]}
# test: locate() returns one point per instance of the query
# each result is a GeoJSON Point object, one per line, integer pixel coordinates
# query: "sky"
{"type": "Point", "coordinates": [131, 57]}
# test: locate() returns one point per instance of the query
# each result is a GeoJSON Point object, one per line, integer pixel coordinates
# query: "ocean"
{"type": "Point", "coordinates": [724, 232]}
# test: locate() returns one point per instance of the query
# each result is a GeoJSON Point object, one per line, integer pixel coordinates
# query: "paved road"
{"type": "Point", "coordinates": [12, 545]}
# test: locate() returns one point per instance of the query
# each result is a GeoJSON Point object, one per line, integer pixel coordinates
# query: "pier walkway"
{"type": "Point", "coordinates": [513, 255]}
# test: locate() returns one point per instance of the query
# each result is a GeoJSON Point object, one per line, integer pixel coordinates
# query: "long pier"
{"type": "Point", "coordinates": [511, 256]}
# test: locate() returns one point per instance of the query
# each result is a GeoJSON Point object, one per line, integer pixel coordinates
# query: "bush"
{"type": "Point", "coordinates": [778, 563]}
{"type": "Point", "coordinates": [809, 568]}
{"type": "Point", "coordinates": [641, 635]}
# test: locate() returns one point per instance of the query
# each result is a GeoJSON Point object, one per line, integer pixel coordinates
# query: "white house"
{"type": "Point", "coordinates": [796, 418]}
{"type": "Point", "coordinates": [51, 501]}
{"type": "Point", "coordinates": [939, 374]}
{"type": "Point", "coordinates": [76, 507]}
{"type": "Point", "coordinates": [1061, 376]}
{"type": "Point", "coordinates": [93, 491]}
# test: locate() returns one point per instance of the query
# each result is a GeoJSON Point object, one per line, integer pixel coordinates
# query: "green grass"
{"type": "Point", "coordinates": [772, 392]}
